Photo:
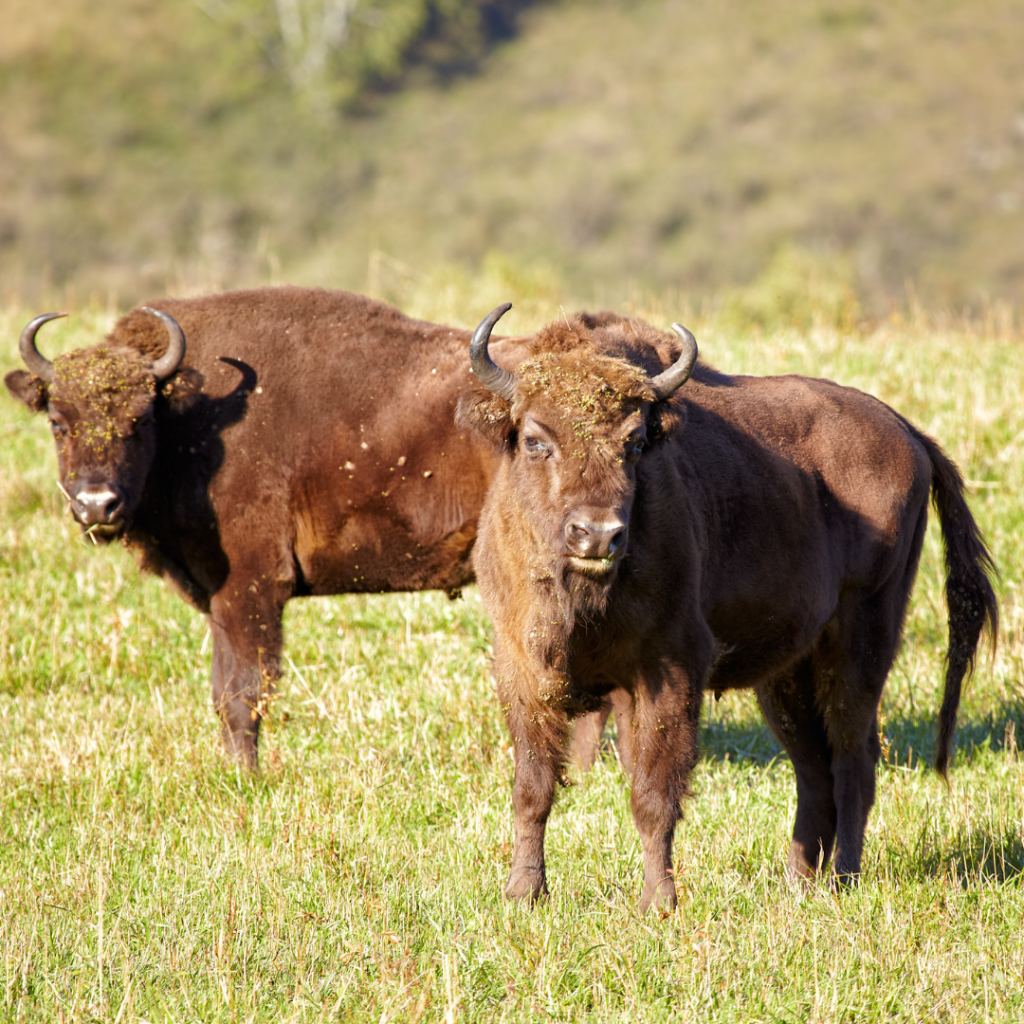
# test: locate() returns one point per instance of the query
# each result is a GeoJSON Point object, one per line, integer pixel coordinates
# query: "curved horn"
{"type": "Point", "coordinates": [492, 376]}
{"type": "Point", "coordinates": [669, 382]}
{"type": "Point", "coordinates": [34, 359]}
{"type": "Point", "coordinates": [163, 367]}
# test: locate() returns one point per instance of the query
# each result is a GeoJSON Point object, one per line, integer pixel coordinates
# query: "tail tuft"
{"type": "Point", "coordinates": [970, 599]}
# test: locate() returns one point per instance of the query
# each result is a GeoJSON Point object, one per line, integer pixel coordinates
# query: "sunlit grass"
{"type": "Point", "coordinates": [359, 876]}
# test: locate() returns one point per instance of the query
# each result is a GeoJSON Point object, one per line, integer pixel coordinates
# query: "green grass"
{"type": "Point", "coordinates": [359, 876]}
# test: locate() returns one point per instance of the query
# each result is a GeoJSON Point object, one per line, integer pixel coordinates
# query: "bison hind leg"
{"type": "Point", "coordinates": [853, 667]}
{"type": "Point", "coordinates": [590, 728]}
{"type": "Point", "coordinates": [854, 773]}
{"type": "Point", "coordinates": [790, 708]}
{"type": "Point", "coordinates": [586, 737]}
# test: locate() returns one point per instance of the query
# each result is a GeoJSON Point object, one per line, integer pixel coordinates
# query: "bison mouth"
{"type": "Point", "coordinates": [593, 567]}
{"type": "Point", "coordinates": [103, 533]}
{"type": "Point", "coordinates": [98, 508]}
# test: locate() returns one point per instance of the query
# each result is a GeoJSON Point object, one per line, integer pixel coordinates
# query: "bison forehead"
{"type": "Point", "coordinates": [107, 389]}
{"type": "Point", "coordinates": [597, 390]}
{"type": "Point", "coordinates": [99, 375]}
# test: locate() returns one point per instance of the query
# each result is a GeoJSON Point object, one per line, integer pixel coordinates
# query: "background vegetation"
{"type": "Point", "coordinates": [359, 877]}
{"type": "Point", "coordinates": [679, 144]}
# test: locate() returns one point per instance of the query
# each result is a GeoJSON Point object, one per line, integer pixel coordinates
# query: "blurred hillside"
{"type": "Point", "coordinates": [152, 145]}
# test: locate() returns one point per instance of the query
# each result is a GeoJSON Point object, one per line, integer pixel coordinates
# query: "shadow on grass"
{"type": "Point", "coordinates": [977, 856]}
{"type": "Point", "coordinates": [983, 852]}
{"type": "Point", "coordinates": [909, 740]}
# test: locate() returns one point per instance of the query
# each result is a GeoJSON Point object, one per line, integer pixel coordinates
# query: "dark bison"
{"type": "Point", "coordinates": [301, 442]}
{"type": "Point", "coordinates": [652, 543]}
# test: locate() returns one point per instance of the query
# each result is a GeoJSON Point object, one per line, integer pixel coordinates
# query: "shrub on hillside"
{"type": "Point", "coordinates": [452, 293]}
{"type": "Point", "coordinates": [334, 51]}
{"type": "Point", "coordinates": [797, 290]}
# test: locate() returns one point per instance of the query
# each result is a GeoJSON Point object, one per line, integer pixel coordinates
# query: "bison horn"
{"type": "Point", "coordinates": [163, 367]}
{"type": "Point", "coordinates": [34, 359]}
{"type": "Point", "coordinates": [668, 383]}
{"type": "Point", "coordinates": [492, 376]}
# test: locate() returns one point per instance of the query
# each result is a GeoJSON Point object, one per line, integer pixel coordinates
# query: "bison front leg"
{"type": "Point", "coordinates": [665, 724]}
{"type": "Point", "coordinates": [540, 738]}
{"type": "Point", "coordinates": [247, 640]}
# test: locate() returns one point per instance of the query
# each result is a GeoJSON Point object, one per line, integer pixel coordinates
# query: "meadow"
{"type": "Point", "coordinates": [359, 875]}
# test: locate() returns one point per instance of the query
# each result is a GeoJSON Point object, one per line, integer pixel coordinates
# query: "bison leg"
{"type": "Point", "coordinates": [540, 738]}
{"type": "Point", "coordinates": [665, 723]}
{"type": "Point", "coordinates": [854, 773]}
{"type": "Point", "coordinates": [858, 660]}
{"type": "Point", "coordinates": [586, 737]}
{"type": "Point", "coordinates": [590, 728]}
{"type": "Point", "coordinates": [789, 706]}
{"type": "Point", "coordinates": [622, 706]}
{"type": "Point", "coordinates": [247, 640]}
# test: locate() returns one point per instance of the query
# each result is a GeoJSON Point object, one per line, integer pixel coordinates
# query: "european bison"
{"type": "Point", "coordinates": [742, 532]}
{"type": "Point", "coordinates": [301, 442]}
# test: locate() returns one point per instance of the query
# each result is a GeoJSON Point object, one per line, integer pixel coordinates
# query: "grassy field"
{"type": "Point", "coordinates": [359, 876]}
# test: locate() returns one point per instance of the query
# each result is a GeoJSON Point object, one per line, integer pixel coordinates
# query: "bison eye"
{"type": "Point", "coordinates": [535, 446]}
{"type": "Point", "coordinates": [59, 428]}
{"type": "Point", "coordinates": [633, 450]}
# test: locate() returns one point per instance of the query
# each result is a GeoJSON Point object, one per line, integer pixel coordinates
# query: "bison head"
{"type": "Point", "coordinates": [100, 403]}
{"type": "Point", "coordinates": [573, 421]}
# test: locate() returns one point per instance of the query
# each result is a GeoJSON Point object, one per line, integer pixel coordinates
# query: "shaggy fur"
{"type": "Point", "coordinates": [306, 445]}
{"type": "Point", "coordinates": [768, 536]}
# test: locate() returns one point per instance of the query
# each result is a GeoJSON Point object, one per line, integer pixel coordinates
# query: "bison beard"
{"type": "Point", "coordinates": [768, 537]}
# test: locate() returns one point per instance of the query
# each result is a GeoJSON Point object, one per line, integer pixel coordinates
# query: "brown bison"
{"type": "Point", "coordinates": [651, 542]}
{"type": "Point", "coordinates": [301, 442]}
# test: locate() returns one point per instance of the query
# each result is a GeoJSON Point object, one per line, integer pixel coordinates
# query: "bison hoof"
{"type": "Point", "coordinates": [660, 898]}
{"type": "Point", "coordinates": [242, 751]}
{"type": "Point", "coordinates": [526, 884]}
{"type": "Point", "coordinates": [844, 881]}
{"type": "Point", "coordinates": [800, 875]}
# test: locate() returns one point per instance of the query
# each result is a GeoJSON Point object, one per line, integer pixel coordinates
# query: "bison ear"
{"type": "Point", "coordinates": [487, 414]}
{"type": "Point", "coordinates": [27, 388]}
{"type": "Point", "coordinates": [181, 388]}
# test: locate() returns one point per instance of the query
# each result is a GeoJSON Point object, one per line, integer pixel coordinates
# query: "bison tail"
{"type": "Point", "coordinates": [970, 599]}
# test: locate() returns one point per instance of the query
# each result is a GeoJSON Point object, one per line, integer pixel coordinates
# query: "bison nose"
{"type": "Point", "coordinates": [98, 505]}
{"type": "Point", "coordinates": [586, 537]}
